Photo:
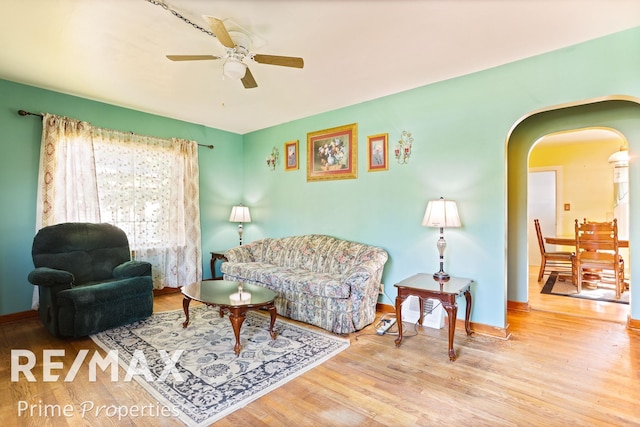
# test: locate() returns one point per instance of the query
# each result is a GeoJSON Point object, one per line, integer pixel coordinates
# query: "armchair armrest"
{"type": "Point", "coordinates": [45, 276]}
{"type": "Point", "coordinates": [132, 269]}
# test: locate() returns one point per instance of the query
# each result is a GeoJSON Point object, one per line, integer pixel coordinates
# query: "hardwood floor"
{"type": "Point", "coordinates": [613, 312]}
{"type": "Point", "coordinates": [556, 370]}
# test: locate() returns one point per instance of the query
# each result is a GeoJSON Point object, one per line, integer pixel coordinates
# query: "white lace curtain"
{"type": "Point", "coordinates": [147, 186]}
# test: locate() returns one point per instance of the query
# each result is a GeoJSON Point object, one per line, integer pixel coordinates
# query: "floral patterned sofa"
{"type": "Point", "coordinates": [321, 280]}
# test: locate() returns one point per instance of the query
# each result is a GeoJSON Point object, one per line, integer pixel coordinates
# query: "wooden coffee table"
{"type": "Point", "coordinates": [217, 292]}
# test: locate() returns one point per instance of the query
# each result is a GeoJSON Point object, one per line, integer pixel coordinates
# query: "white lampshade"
{"type": "Point", "coordinates": [441, 213]}
{"type": "Point", "coordinates": [240, 214]}
{"type": "Point", "coordinates": [234, 69]}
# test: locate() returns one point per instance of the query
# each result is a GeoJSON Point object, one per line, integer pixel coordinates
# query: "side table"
{"type": "Point", "coordinates": [216, 256]}
{"type": "Point", "coordinates": [425, 286]}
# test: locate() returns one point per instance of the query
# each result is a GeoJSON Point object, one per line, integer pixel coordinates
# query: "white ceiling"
{"type": "Point", "coordinates": [355, 50]}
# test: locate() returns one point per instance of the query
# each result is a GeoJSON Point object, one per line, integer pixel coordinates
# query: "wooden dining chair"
{"type": "Point", "coordinates": [597, 254]}
{"type": "Point", "coordinates": [559, 262]}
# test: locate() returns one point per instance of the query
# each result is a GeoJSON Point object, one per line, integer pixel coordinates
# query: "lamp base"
{"type": "Point", "coordinates": [441, 276]}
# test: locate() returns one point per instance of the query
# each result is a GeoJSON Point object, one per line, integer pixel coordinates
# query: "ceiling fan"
{"type": "Point", "coordinates": [238, 45]}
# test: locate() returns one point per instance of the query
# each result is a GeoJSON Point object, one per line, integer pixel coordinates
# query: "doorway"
{"type": "Point", "coordinates": [621, 113]}
{"type": "Point", "coordinates": [558, 199]}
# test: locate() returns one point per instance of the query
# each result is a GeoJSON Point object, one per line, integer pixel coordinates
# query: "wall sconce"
{"type": "Point", "coordinates": [403, 149]}
{"type": "Point", "coordinates": [272, 159]}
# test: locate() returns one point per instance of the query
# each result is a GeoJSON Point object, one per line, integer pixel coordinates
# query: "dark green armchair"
{"type": "Point", "coordinates": [87, 281]}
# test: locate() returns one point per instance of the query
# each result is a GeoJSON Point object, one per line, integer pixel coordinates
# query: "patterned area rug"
{"type": "Point", "coordinates": [209, 380]}
{"type": "Point", "coordinates": [566, 288]}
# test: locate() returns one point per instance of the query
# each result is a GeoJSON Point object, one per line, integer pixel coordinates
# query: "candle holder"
{"type": "Point", "coordinates": [403, 149]}
{"type": "Point", "coordinates": [272, 159]}
{"type": "Point", "coordinates": [240, 297]}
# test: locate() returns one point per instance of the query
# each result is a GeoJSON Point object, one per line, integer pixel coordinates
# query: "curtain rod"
{"type": "Point", "coordinates": [27, 113]}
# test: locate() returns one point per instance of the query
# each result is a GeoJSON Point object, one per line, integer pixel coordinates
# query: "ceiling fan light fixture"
{"type": "Point", "coordinates": [234, 69]}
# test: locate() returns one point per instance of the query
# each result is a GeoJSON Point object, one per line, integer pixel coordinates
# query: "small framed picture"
{"type": "Point", "coordinates": [291, 153]}
{"type": "Point", "coordinates": [378, 152]}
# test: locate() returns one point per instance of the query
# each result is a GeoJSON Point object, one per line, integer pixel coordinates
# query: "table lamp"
{"type": "Point", "coordinates": [240, 214]}
{"type": "Point", "coordinates": [441, 213]}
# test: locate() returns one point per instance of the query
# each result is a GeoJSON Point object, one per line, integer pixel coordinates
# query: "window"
{"type": "Point", "coordinates": [144, 185]}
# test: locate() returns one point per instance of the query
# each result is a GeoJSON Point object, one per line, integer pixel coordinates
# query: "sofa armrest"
{"type": "Point", "coordinates": [132, 269]}
{"type": "Point", "coordinates": [242, 253]}
{"type": "Point", "coordinates": [363, 278]}
{"type": "Point", "coordinates": [45, 276]}
{"type": "Point", "coordinates": [364, 281]}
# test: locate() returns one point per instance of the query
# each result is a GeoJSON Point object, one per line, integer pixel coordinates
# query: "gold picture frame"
{"type": "Point", "coordinates": [291, 156]}
{"type": "Point", "coordinates": [333, 153]}
{"type": "Point", "coordinates": [378, 152]}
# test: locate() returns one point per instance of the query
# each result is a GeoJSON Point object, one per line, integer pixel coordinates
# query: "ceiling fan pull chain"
{"type": "Point", "coordinates": [180, 16]}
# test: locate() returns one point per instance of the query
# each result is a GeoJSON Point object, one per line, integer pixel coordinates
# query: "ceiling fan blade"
{"type": "Point", "coordinates": [218, 28]}
{"type": "Point", "coordinates": [191, 57]}
{"type": "Point", "coordinates": [248, 81]}
{"type": "Point", "coordinates": [285, 61]}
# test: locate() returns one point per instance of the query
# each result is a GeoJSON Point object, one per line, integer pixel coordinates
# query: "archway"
{"type": "Point", "coordinates": [621, 113]}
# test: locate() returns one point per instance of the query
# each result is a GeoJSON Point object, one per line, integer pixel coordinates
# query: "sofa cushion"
{"type": "Point", "coordinates": [296, 280]}
{"type": "Point", "coordinates": [306, 282]}
{"type": "Point", "coordinates": [342, 256]}
{"type": "Point", "coordinates": [273, 251]}
{"type": "Point", "coordinates": [314, 252]}
{"type": "Point", "coordinates": [251, 271]}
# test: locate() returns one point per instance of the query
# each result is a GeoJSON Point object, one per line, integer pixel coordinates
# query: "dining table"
{"type": "Point", "coordinates": [571, 241]}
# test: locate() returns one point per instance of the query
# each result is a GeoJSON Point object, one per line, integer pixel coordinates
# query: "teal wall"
{"type": "Point", "coordinates": [220, 175]}
{"type": "Point", "coordinates": [460, 127]}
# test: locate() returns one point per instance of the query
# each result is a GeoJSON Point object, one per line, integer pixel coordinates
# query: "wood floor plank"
{"type": "Point", "coordinates": [564, 365]}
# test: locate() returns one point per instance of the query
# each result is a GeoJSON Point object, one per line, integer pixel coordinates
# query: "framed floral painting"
{"type": "Point", "coordinates": [332, 153]}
